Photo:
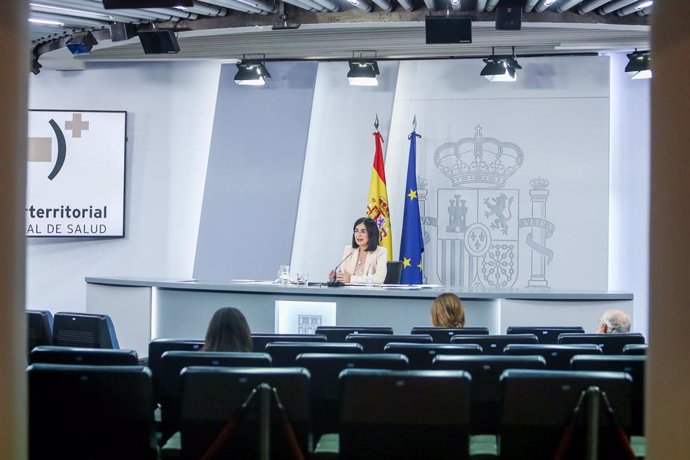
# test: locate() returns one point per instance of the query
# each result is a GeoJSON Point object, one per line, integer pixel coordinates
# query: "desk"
{"type": "Point", "coordinates": [143, 309]}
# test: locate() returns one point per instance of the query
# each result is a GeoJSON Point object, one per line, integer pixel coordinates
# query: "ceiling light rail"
{"type": "Point", "coordinates": [567, 5]}
{"type": "Point", "coordinates": [257, 6]}
{"type": "Point", "coordinates": [98, 7]}
{"type": "Point", "coordinates": [613, 6]}
{"type": "Point", "coordinates": [635, 8]}
{"type": "Point", "coordinates": [49, 9]}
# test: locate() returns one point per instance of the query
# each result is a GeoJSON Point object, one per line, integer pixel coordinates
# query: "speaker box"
{"type": "Point", "coordinates": [120, 31]}
{"type": "Point", "coordinates": [508, 17]}
{"type": "Point", "coordinates": [124, 4]}
{"type": "Point", "coordinates": [159, 42]}
{"type": "Point", "coordinates": [448, 29]}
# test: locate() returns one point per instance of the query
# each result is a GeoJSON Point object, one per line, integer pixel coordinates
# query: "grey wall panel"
{"type": "Point", "coordinates": [254, 173]}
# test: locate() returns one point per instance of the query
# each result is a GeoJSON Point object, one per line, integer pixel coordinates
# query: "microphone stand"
{"type": "Point", "coordinates": [334, 282]}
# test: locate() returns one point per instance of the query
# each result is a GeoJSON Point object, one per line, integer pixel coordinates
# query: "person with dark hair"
{"type": "Point", "coordinates": [447, 311]}
{"type": "Point", "coordinates": [228, 331]}
{"type": "Point", "coordinates": [364, 257]}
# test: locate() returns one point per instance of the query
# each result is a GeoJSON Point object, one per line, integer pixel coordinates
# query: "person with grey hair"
{"type": "Point", "coordinates": [614, 322]}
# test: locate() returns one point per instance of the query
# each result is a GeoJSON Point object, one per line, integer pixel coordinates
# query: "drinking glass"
{"type": "Point", "coordinates": [302, 278]}
{"type": "Point", "coordinates": [284, 274]}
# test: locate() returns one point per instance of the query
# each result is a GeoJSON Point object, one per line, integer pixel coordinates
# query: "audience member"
{"type": "Point", "coordinates": [228, 331]}
{"type": "Point", "coordinates": [447, 311]}
{"type": "Point", "coordinates": [614, 322]}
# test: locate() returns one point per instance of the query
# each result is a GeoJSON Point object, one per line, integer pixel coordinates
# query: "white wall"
{"type": "Point", "coordinates": [630, 189]}
{"type": "Point", "coordinates": [170, 117]}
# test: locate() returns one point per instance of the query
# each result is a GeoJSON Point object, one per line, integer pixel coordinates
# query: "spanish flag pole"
{"type": "Point", "coordinates": [377, 206]}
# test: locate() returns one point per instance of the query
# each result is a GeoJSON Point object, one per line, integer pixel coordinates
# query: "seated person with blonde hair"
{"type": "Point", "coordinates": [447, 311]}
{"type": "Point", "coordinates": [614, 322]}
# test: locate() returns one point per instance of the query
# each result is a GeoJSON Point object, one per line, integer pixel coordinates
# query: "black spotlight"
{"type": "Point", "coordinates": [81, 43]}
{"type": "Point", "coordinates": [639, 65]}
{"type": "Point", "coordinates": [159, 42]}
{"type": "Point", "coordinates": [500, 68]}
{"type": "Point", "coordinates": [251, 72]}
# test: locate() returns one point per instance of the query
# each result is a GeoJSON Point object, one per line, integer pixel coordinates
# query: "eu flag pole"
{"type": "Point", "coordinates": [412, 242]}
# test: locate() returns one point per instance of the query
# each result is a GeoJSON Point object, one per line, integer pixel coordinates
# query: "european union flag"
{"type": "Point", "coordinates": [412, 242]}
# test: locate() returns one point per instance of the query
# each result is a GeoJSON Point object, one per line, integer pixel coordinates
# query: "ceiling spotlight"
{"type": "Point", "coordinates": [500, 68]}
{"type": "Point", "coordinates": [81, 43]}
{"type": "Point", "coordinates": [363, 71]}
{"type": "Point", "coordinates": [639, 65]}
{"type": "Point", "coordinates": [251, 72]}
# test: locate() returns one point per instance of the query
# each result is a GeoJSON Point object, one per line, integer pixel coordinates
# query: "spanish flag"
{"type": "Point", "coordinates": [377, 207]}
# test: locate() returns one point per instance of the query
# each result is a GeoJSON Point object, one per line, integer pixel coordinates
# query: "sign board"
{"type": "Point", "coordinates": [76, 174]}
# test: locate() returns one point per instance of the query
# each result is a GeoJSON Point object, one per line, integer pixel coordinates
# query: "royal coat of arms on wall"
{"type": "Point", "coordinates": [476, 232]}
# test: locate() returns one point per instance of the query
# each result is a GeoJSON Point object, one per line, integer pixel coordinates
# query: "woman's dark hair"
{"type": "Point", "coordinates": [371, 228]}
{"type": "Point", "coordinates": [228, 331]}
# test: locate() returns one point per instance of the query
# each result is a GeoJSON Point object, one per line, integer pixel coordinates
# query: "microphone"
{"type": "Point", "coordinates": [335, 282]}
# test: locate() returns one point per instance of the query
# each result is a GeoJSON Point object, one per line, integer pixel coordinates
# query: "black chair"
{"type": "Point", "coordinates": [635, 349]}
{"type": "Point", "coordinates": [393, 272]}
{"type": "Point", "coordinates": [338, 333]}
{"type": "Point", "coordinates": [486, 390]}
{"type": "Point", "coordinates": [40, 331]}
{"type": "Point", "coordinates": [375, 343]}
{"type": "Point", "coordinates": [325, 369]}
{"type": "Point", "coordinates": [421, 355]}
{"type": "Point", "coordinates": [159, 346]}
{"type": "Point", "coordinates": [494, 344]}
{"type": "Point", "coordinates": [212, 396]}
{"type": "Point", "coordinates": [444, 334]}
{"type": "Point", "coordinates": [633, 365]}
{"type": "Point", "coordinates": [557, 356]}
{"type": "Point", "coordinates": [84, 330]}
{"type": "Point", "coordinates": [170, 386]}
{"type": "Point", "coordinates": [546, 334]}
{"type": "Point", "coordinates": [50, 354]}
{"type": "Point", "coordinates": [88, 412]}
{"type": "Point", "coordinates": [538, 405]}
{"type": "Point", "coordinates": [611, 344]}
{"type": "Point", "coordinates": [284, 354]}
{"type": "Point", "coordinates": [259, 341]}
{"type": "Point", "coordinates": [401, 415]}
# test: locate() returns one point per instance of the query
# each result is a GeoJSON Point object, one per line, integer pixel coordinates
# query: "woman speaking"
{"type": "Point", "coordinates": [364, 257]}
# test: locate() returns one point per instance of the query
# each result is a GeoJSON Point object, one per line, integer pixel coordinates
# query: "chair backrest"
{"type": "Point", "coordinates": [557, 356]}
{"type": "Point", "coordinates": [494, 344]}
{"type": "Point", "coordinates": [212, 396]}
{"type": "Point", "coordinates": [51, 354]}
{"type": "Point", "coordinates": [325, 369]}
{"type": "Point", "coordinates": [546, 334]}
{"type": "Point", "coordinates": [170, 382]}
{"type": "Point", "coordinates": [40, 331]}
{"type": "Point", "coordinates": [159, 346]}
{"type": "Point", "coordinates": [259, 341]}
{"type": "Point", "coordinates": [444, 334]}
{"type": "Point", "coordinates": [635, 349]}
{"type": "Point", "coordinates": [421, 355]}
{"type": "Point", "coordinates": [338, 333]}
{"type": "Point", "coordinates": [633, 365]}
{"type": "Point", "coordinates": [374, 343]}
{"type": "Point", "coordinates": [393, 272]}
{"type": "Point", "coordinates": [611, 344]}
{"type": "Point", "coordinates": [284, 354]}
{"type": "Point", "coordinates": [486, 371]}
{"type": "Point", "coordinates": [537, 406]}
{"type": "Point", "coordinates": [84, 330]}
{"type": "Point", "coordinates": [86, 412]}
{"type": "Point", "coordinates": [390, 415]}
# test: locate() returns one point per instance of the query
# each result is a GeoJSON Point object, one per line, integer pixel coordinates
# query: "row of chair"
{"type": "Point", "coordinates": [325, 362]}
{"type": "Point", "coordinates": [104, 412]}
{"type": "Point", "coordinates": [70, 330]}
{"type": "Point", "coordinates": [491, 344]}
